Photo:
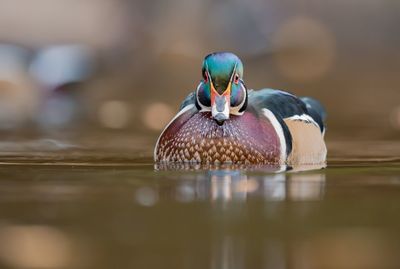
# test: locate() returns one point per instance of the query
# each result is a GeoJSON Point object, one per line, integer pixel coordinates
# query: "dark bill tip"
{"type": "Point", "coordinates": [220, 118]}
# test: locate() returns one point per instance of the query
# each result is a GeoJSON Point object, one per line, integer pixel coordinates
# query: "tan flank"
{"type": "Point", "coordinates": [308, 146]}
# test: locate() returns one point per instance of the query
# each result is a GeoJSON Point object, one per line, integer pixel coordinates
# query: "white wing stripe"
{"type": "Point", "coordinates": [303, 117]}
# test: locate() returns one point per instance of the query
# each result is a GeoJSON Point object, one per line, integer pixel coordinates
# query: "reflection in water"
{"type": "Point", "coordinates": [185, 193]}
{"type": "Point", "coordinates": [228, 253]}
{"type": "Point", "coordinates": [275, 187]}
{"type": "Point", "coordinates": [166, 166]}
{"type": "Point", "coordinates": [274, 255]}
{"type": "Point", "coordinates": [237, 186]}
{"type": "Point", "coordinates": [231, 184]}
{"type": "Point", "coordinates": [146, 196]}
{"type": "Point", "coordinates": [102, 217]}
{"type": "Point", "coordinates": [224, 185]}
{"type": "Point", "coordinates": [306, 187]}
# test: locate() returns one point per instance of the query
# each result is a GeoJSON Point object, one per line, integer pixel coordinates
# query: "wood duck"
{"type": "Point", "coordinates": [224, 122]}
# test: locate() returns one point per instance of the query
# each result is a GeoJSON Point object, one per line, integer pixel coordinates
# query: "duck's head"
{"type": "Point", "coordinates": [222, 90]}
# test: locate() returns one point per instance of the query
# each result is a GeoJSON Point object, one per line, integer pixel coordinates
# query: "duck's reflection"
{"type": "Point", "coordinates": [228, 253]}
{"type": "Point", "coordinates": [227, 184]}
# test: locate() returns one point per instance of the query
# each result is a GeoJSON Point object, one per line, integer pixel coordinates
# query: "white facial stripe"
{"type": "Point", "coordinates": [235, 110]}
{"type": "Point", "coordinates": [233, 73]}
{"type": "Point", "coordinates": [203, 107]}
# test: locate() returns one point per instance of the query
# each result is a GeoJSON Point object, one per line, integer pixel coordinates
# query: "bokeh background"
{"type": "Point", "coordinates": [70, 68]}
{"type": "Point", "coordinates": [86, 86]}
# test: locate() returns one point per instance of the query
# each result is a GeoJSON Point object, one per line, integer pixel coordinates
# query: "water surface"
{"type": "Point", "coordinates": [67, 206]}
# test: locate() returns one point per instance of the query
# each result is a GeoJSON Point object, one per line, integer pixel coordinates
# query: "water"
{"type": "Point", "coordinates": [67, 206]}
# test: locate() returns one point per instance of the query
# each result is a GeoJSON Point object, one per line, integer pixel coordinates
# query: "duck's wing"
{"type": "Point", "coordinates": [288, 106]}
{"type": "Point", "coordinates": [189, 100]}
{"type": "Point", "coordinates": [316, 110]}
{"type": "Point", "coordinates": [300, 123]}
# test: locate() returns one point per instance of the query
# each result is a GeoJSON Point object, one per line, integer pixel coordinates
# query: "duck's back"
{"type": "Point", "coordinates": [301, 119]}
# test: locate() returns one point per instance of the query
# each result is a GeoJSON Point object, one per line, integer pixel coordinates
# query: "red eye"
{"type": "Point", "coordinates": [205, 77]}
{"type": "Point", "coordinates": [236, 79]}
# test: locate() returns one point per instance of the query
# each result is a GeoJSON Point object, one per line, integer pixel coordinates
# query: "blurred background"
{"type": "Point", "coordinates": [86, 86]}
{"type": "Point", "coordinates": [87, 67]}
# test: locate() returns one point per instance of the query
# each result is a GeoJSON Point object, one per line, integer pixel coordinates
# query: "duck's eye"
{"type": "Point", "coordinates": [236, 79]}
{"type": "Point", "coordinates": [205, 77]}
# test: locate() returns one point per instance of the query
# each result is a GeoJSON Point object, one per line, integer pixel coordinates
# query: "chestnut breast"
{"type": "Point", "coordinates": [196, 137]}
